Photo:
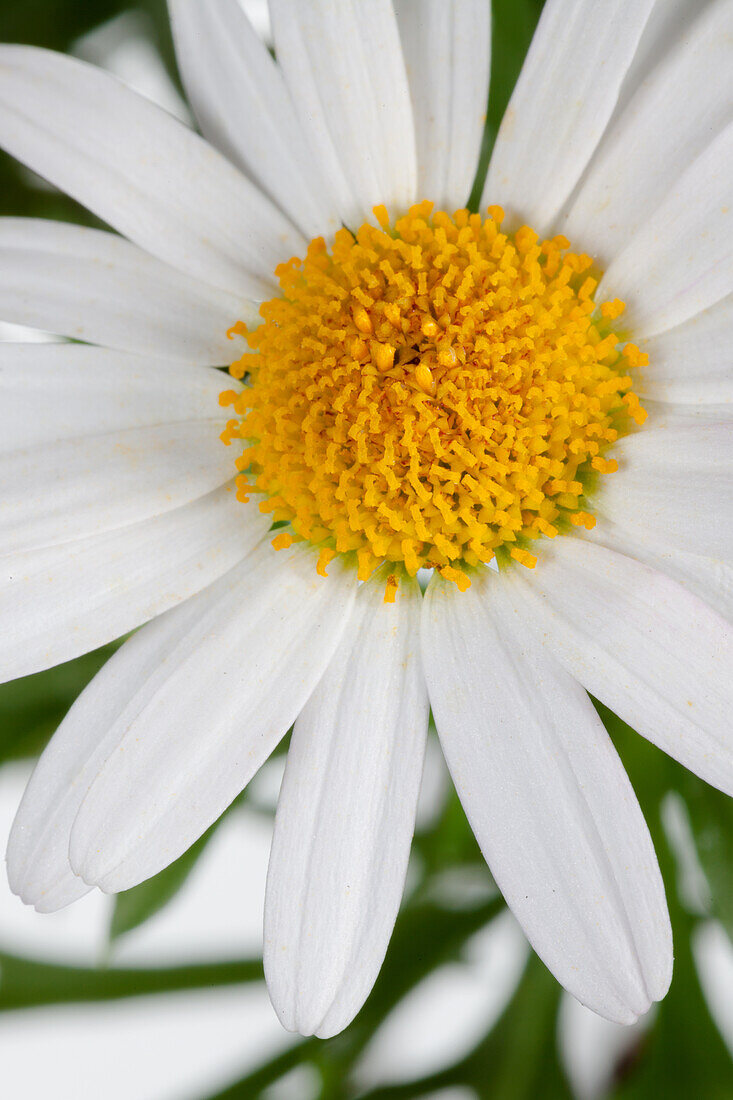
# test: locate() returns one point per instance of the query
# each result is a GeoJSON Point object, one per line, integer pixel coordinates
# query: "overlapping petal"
{"type": "Point", "coordinates": [97, 287]}
{"type": "Point", "coordinates": [345, 818]}
{"type": "Point", "coordinates": [343, 64]}
{"type": "Point", "coordinates": [548, 800]}
{"type": "Point", "coordinates": [64, 600]}
{"type": "Point", "coordinates": [675, 482]}
{"type": "Point", "coordinates": [709, 578]}
{"type": "Point", "coordinates": [656, 654]}
{"type": "Point", "coordinates": [38, 848]}
{"type": "Point", "coordinates": [681, 260]}
{"type": "Point", "coordinates": [693, 362]}
{"type": "Point", "coordinates": [666, 126]}
{"type": "Point", "coordinates": [447, 48]}
{"type": "Point", "coordinates": [205, 717]}
{"type": "Point", "coordinates": [669, 23]}
{"type": "Point", "coordinates": [244, 108]}
{"type": "Point", "coordinates": [563, 99]}
{"type": "Point", "coordinates": [88, 484]}
{"type": "Point", "coordinates": [50, 392]}
{"type": "Point", "coordinates": [140, 170]}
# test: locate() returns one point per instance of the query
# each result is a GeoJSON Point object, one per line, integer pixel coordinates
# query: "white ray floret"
{"type": "Point", "coordinates": [540, 154]}
{"type": "Point", "coordinates": [345, 818]}
{"type": "Point", "coordinates": [203, 216]}
{"type": "Point", "coordinates": [346, 73]}
{"type": "Point", "coordinates": [64, 600]}
{"type": "Point", "coordinates": [548, 800]}
{"type": "Point", "coordinates": [220, 678]}
{"type": "Point", "coordinates": [95, 286]}
{"type": "Point", "coordinates": [447, 50]}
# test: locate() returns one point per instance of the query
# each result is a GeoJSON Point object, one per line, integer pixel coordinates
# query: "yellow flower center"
{"type": "Point", "coordinates": [432, 393]}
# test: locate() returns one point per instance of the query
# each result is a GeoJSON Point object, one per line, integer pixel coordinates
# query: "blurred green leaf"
{"type": "Point", "coordinates": [54, 24]}
{"type": "Point", "coordinates": [517, 1060]}
{"type": "Point", "coordinates": [711, 818]}
{"type": "Point", "coordinates": [683, 1054]}
{"type": "Point", "coordinates": [26, 983]}
{"type": "Point", "coordinates": [425, 937]}
{"type": "Point", "coordinates": [135, 906]}
{"type": "Point", "coordinates": [651, 771]}
{"type": "Point", "coordinates": [513, 24]}
{"type": "Point", "coordinates": [450, 842]}
{"type": "Point", "coordinates": [31, 708]}
{"type": "Point", "coordinates": [252, 1086]}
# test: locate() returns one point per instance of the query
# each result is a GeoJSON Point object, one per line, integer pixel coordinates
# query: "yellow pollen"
{"type": "Point", "coordinates": [283, 541]}
{"type": "Point", "coordinates": [457, 576]}
{"type": "Point", "coordinates": [432, 393]}
{"type": "Point", "coordinates": [326, 555]}
{"type": "Point", "coordinates": [582, 519]}
{"type": "Point", "coordinates": [390, 590]}
{"type": "Point", "coordinates": [523, 556]}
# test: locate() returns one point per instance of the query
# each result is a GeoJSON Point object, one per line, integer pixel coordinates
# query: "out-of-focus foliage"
{"type": "Point", "coordinates": [711, 817]}
{"type": "Point", "coordinates": [133, 907]}
{"type": "Point", "coordinates": [681, 1056]}
{"type": "Point", "coordinates": [57, 25]}
{"type": "Point", "coordinates": [31, 708]}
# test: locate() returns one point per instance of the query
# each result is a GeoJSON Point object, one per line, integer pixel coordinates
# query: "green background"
{"type": "Point", "coordinates": [680, 1055]}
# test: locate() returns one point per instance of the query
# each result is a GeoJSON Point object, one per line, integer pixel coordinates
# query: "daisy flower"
{"type": "Point", "coordinates": [529, 401]}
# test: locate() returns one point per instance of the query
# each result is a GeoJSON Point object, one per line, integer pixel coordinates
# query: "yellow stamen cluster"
{"type": "Point", "coordinates": [429, 392]}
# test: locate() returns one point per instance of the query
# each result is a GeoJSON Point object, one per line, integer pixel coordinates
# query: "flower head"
{"type": "Point", "coordinates": [422, 387]}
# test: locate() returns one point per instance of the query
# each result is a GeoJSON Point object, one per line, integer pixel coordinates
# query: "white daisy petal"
{"type": "Point", "coordinates": [675, 484]}
{"type": "Point", "coordinates": [692, 363]}
{"type": "Point", "coordinates": [61, 601]}
{"type": "Point", "coordinates": [50, 392]}
{"type": "Point", "coordinates": [141, 170]}
{"type": "Point", "coordinates": [669, 23]}
{"type": "Point", "coordinates": [343, 63]}
{"type": "Point", "coordinates": [65, 889]}
{"type": "Point", "coordinates": [38, 848]}
{"type": "Point", "coordinates": [447, 48]}
{"type": "Point", "coordinates": [97, 287]}
{"type": "Point", "coordinates": [681, 260]}
{"type": "Point", "coordinates": [662, 414]}
{"type": "Point", "coordinates": [547, 137]}
{"type": "Point", "coordinates": [669, 123]}
{"type": "Point", "coordinates": [204, 720]}
{"type": "Point", "coordinates": [89, 484]}
{"type": "Point", "coordinates": [709, 578]}
{"type": "Point", "coordinates": [244, 108]}
{"type": "Point", "coordinates": [548, 800]}
{"type": "Point", "coordinates": [345, 818]}
{"type": "Point", "coordinates": [642, 644]}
